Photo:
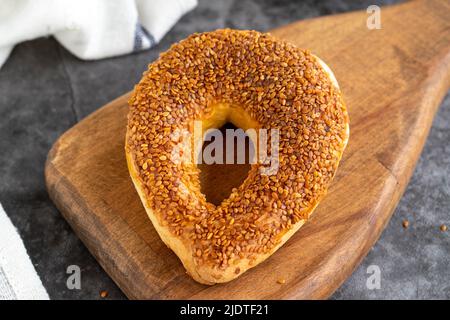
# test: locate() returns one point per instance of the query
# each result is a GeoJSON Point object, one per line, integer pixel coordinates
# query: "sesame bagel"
{"type": "Point", "coordinates": [254, 81]}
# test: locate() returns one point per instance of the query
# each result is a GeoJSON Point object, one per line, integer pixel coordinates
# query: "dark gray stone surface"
{"type": "Point", "coordinates": [44, 90]}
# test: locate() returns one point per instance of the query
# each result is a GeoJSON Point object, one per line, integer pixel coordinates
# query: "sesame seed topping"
{"type": "Point", "coordinates": [277, 85]}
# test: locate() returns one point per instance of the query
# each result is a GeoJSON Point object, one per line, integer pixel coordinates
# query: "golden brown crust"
{"type": "Point", "coordinates": [278, 86]}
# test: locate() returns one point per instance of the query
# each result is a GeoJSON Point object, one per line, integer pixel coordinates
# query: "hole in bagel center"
{"type": "Point", "coordinates": [219, 178]}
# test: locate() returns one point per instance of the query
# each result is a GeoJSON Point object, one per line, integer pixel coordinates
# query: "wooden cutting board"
{"type": "Point", "coordinates": [393, 80]}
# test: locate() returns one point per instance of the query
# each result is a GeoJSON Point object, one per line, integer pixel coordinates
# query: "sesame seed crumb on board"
{"type": "Point", "coordinates": [405, 224]}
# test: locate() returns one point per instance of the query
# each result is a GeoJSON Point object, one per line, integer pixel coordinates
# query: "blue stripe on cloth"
{"type": "Point", "coordinates": [140, 35]}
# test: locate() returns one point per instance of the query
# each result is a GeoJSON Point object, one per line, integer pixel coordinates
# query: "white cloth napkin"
{"type": "Point", "coordinates": [18, 278]}
{"type": "Point", "coordinates": [90, 29]}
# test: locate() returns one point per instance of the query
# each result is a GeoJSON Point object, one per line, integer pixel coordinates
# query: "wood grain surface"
{"type": "Point", "coordinates": [393, 80]}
